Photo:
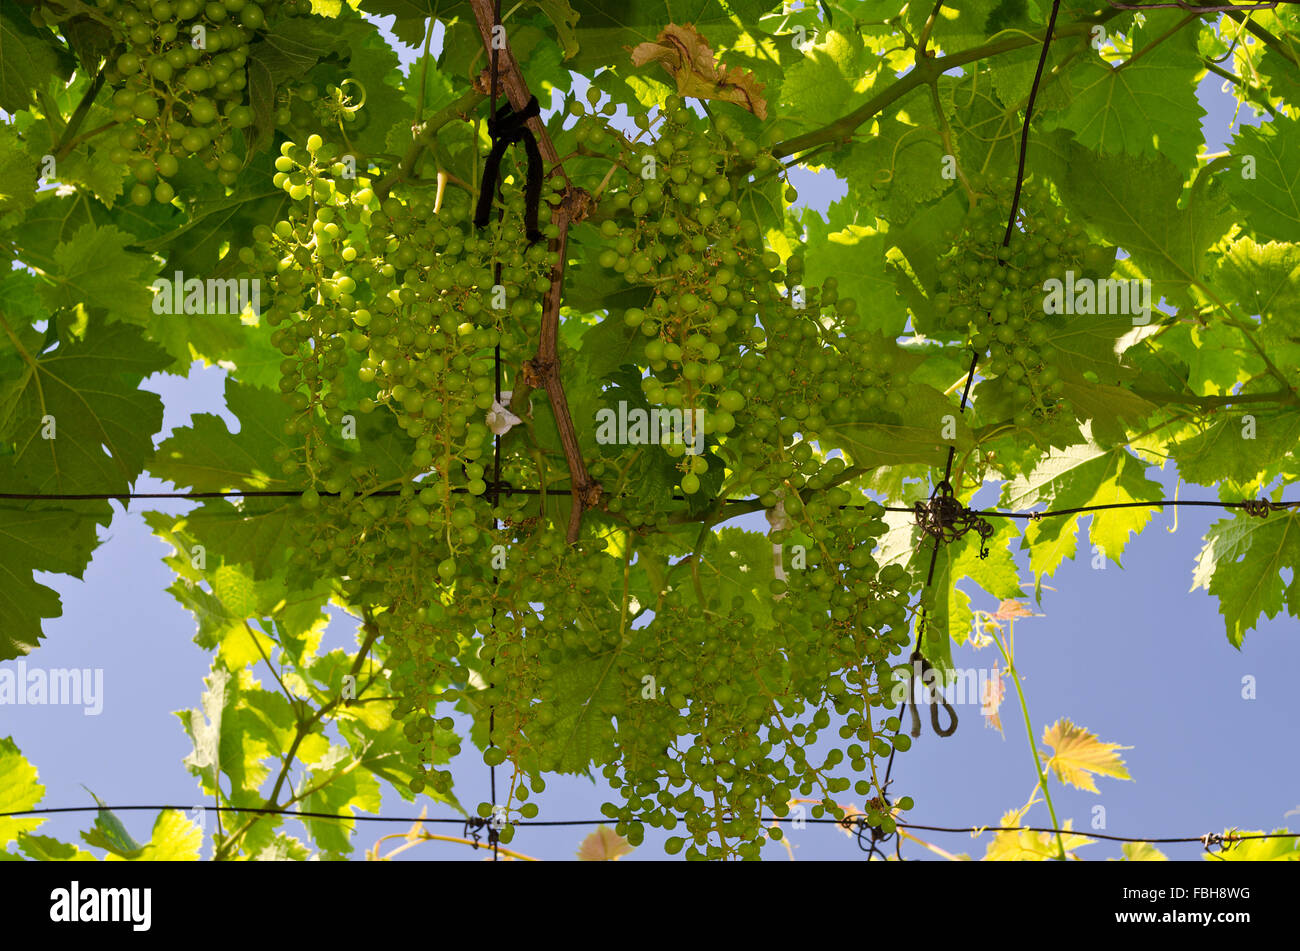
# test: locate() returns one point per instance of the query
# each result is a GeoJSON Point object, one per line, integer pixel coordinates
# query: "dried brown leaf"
{"type": "Point", "coordinates": [687, 57]}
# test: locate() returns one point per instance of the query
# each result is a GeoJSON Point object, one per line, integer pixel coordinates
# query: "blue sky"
{"type": "Point", "coordinates": [1128, 653]}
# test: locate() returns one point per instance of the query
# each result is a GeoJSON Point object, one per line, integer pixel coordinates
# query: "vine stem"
{"type": "Point", "coordinates": [1029, 731]}
{"type": "Point", "coordinates": [302, 729]}
{"type": "Point", "coordinates": [927, 71]}
{"type": "Point", "coordinates": [422, 836]}
{"type": "Point", "coordinates": [575, 205]}
{"type": "Point", "coordinates": [461, 108]}
{"type": "Point", "coordinates": [66, 142]}
{"type": "Point", "coordinates": [424, 72]}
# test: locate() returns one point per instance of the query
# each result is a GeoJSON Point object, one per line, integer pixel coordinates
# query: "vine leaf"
{"type": "Point", "coordinates": [564, 18]}
{"type": "Point", "coordinates": [174, 838]}
{"type": "Point", "coordinates": [1081, 475]}
{"type": "Point", "coordinates": [1142, 108]}
{"type": "Point", "coordinates": [38, 539]}
{"type": "Point", "coordinates": [889, 439]}
{"type": "Point", "coordinates": [603, 845]}
{"type": "Point", "coordinates": [1077, 754]}
{"type": "Point", "coordinates": [103, 421]}
{"type": "Point", "coordinates": [110, 834]}
{"type": "Point", "coordinates": [19, 790]}
{"type": "Point", "coordinates": [1241, 564]}
{"type": "Point", "coordinates": [207, 457]}
{"type": "Point", "coordinates": [1026, 846]}
{"type": "Point", "coordinates": [830, 73]}
{"type": "Point", "coordinates": [1271, 199]}
{"type": "Point", "coordinates": [1139, 204]}
{"type": "Point", "coordinates": [1142, 852]}
{"type": "Point", "coordinates": [26, 61]}
{"type": "Point", "coordinates": [687, 57]}
{"type": "Point", "coordinates": [338, 788]}
{"type": "Point", "coordinates": [94, 269]}
{"type": "Point", "coordinates": [1260, 850]}
{"type": "Point", "coordinates": [582, 735]}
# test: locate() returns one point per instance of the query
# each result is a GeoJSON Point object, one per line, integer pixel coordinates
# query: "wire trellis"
{"type": "Point", "coordinates": [942, 518]}
{"type": "Point", "coordinates": [855, 824]}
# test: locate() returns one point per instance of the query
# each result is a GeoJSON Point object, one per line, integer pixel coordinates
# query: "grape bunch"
{"type": "Point", "coordinates": [996, 295]}
{"type": "Point", "coordinates": [392, 310]}
{"type": "Point", "coordinates": [678, 230]}
{"type": "Point", "coordinates": [537, 615]}
{"type": "Point", "coordinates": [802, 384]}
{"type": "Point", "coordinates": [178, 89]}
{"type": "Point", "coordinates": [732, 734]}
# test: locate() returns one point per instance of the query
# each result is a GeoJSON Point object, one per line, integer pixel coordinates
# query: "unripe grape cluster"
{"type": "Point", "coordinates": [802, 384]}
{"type": "Point", "coordinates": [179, 86]}
{"type": "Point", "coordinates": [388, 306]}
{"type": "Point", "coordinates": [995, 294]}
{"type": "Point", "coordinates": [706, 720]}
{"type": "Point", "coordinates": [731, 736]}
{"type": "Point", "coordinates": [678, 230]}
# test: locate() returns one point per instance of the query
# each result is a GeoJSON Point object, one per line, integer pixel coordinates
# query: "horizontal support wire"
{"type": "Point", "coordinates": [539, 823]}
{"type": "Point", "coordinates": [1248, 504]}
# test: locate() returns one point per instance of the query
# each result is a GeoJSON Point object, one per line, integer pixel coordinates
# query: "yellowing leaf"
{"type": "Point", "coordinates": [1284, 848]}
{"type": "Point", "coordinates": [603, 845]}
{"type": "Point", "coordinates": [1026, 846]}
{"type": "Point", "coordinates": [1143, 852]}
{"type": "Point", "coordinates": [1077, 753]}
{"type": "Point", "coordinates": [687, 57]}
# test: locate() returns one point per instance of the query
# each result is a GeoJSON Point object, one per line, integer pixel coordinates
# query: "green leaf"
{"type": "Point", "coordinates": [174, 839]}
{"type": "Point", "coordinates": [1139, 204]}
{"type": "Point", "coordinates": [564, 18]}
{"type": "Point", "coordinates": [36, 538]}
{"type": "Point", "coordinates": [207, 457]}
{"type": "Point", "coordinates": [94, 269]}
{"type": "Point", "coordinates": [581, 736]}
{"type": "Point", "coordinates": [338, 788]}
{"type": "Point", "coordinates": [832, 71]}
{"type": "Point", "coordinates": [257, 533]}
{"type": "Point", "coordinates": [43, 848]}
{"type": "Point", "coordinates": [1144, 108]}
{"type": "Point", "coordinates": [103, 422]}
{"type": "Point", "coordinates": [1081, 475]}
{"type": "Point", "coordinates": [855, 256]}
{"type": "Point", "coordinates": [411, 15]}
{"type": "Point", "coordinates": [606, 31]}
{"type": "Point", "coordinates": [1284, 848]}
{"type": "Point", "coordinates": [19, 790]}
{"type": "Point", "coordinates": [913, 435]}
{"type": "Point", "coordinates": [1270, 198]}
{"type": "Point", "coordinates": [948, 615]}
{"type": "Point", "coordinates": [1223, 451]}
{"type": "Point", "coordinates": [109, 833]}
{"type": "Point", "coordinates": [1241, 564]}
{"type": "Point", "coordinates": [296, 44]}
{"type": "Point", "coordinates": [374, 65]}
{"type": "Point", "coordinates": [27, 60]}
{"type": "Point", "coordinates": [18, 172]}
